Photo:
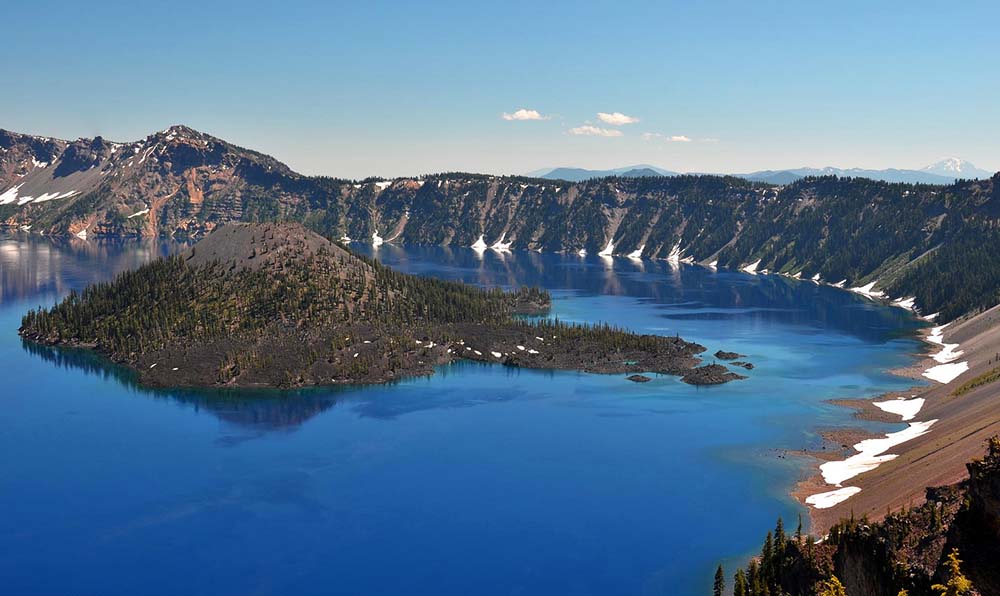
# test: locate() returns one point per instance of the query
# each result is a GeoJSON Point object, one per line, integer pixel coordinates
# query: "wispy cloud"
{"type": "Point", "coordinates": [649, 136]}
{"type": "Point", "coordinates": [524, 114]}
{"type": "Point", "coordinates": [594, 131]}
{"type": "Point", "coordinates": [616, 118]}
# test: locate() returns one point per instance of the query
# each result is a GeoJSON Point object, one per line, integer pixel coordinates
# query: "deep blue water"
{"type": "Point", "coordinates": [479, 480]}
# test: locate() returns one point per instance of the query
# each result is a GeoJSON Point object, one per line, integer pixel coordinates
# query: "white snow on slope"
{"type": "Point", "coordinates": [949, 352]}
{"type": "Point", "coordinates": [906, 303]}
{"type": "Point", "coordinates": [869, 291]}
{"type": "Point", "coordinates": [500, 245]}
{"type": "Point", "coordinates": [10, 195]}
{"type": "Point", "coordinates": [870, 454]}
{"type": "Point", "coordinates": [829, 499]}
{"type": "Point", "coordinates": [907, 408]}
{"type": "Point", "coordinates": [946, 373]}
{"type": "Point", "coordinates": [752, 267]}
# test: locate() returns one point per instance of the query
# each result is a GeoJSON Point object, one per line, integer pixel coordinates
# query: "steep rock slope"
{"type": "Point", "coordinates": [929, 243]}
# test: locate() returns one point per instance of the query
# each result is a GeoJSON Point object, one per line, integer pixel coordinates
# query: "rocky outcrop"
{"type": "Point", "coordinates": [906, 550]}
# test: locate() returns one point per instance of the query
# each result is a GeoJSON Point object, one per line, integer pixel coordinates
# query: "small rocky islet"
{"type": "Point", "coordinates": [276, 305]}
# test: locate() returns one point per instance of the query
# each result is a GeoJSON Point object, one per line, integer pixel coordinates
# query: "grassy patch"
{"type": "Point", "coordinates": [984, 379]}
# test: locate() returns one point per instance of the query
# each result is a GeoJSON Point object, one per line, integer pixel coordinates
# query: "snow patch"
{"type": "Point", "coordinates": [500, 245]}
{"type": "Point", "coordinates": [138, 213]}
{"type": "Point", "coordinates": [637, 253]}
{"type": "Point", "coordinates": [833, 497]}
{"type": "Point", "coordinates": [10, 195]}
{"type": "Point", "coordinates": [376, 239]}
{"type": "Point", "coordinates": [949, 352]}
{"type": "Point", "coordinates": [870, 454]}
{"type": "Point", "coordinates": [907, 408]}
{"type": "Point", "coordinates": [869, 291]}
{"type": "Point", "coordinates": [674, 257]}
{"type": "Point", "coordinates": [608, 250]}
{"type": "Point", "coordinates": [479, 244]}
{"type": "Point", "coordinates": [751, 268]}
{"type": "Point", "coordinates": [946, 373]}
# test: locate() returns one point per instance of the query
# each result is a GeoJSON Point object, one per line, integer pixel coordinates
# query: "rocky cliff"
{"type": "Point", "coordinates": [931, 244]}
{"type": "Point", "coordinates": [907, 550]}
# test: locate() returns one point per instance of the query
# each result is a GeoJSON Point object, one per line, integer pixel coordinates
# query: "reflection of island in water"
{"type": "Point", "coordinates": [268, 410]}
{"type": "Point", "coordinates": [257, 409]}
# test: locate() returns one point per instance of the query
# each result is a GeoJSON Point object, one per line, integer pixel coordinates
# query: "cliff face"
{"type": "Point", "coordinates": [977, 529]}
{"type": "Point", "coordinates": [932, 243]}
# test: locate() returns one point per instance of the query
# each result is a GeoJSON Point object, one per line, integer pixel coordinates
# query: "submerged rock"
{"type": "Point", "coordinates": [639, 379]}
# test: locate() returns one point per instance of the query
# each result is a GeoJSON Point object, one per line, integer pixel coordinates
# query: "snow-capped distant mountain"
{"type": "Point", "coordinates": [954, 167]}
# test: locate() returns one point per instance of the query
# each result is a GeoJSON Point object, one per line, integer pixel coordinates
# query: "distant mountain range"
{"type": "Point", "coordinates": [580, 174]}
{"type": "Point", "coordinates": [945, 171]}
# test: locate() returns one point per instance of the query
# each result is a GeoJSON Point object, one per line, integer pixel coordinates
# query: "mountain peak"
{"type": "Point", "coordinates": [956, 168]}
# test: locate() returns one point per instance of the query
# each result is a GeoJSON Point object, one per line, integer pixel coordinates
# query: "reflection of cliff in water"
{"type": "Point", "coordinates": [263, 410]}
{"type": "Point", "coordinates": [681, 291]}
{"type": "Point", "coordinates": [32, 266]}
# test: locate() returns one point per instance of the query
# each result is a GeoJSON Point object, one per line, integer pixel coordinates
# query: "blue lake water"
{"type": "Point", "coordinates": [479, 480]}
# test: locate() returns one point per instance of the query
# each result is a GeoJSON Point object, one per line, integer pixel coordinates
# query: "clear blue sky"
{"type": "Point", "coordinates": [397, 88]}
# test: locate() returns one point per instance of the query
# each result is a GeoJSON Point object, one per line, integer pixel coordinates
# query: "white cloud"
{"type": "Point", "coordinates": [649, 136]}
{"type": "Point", "coordinates": [616, 118]}
{"type": "Point", "coordinates": [524, 114]}
{"type": "Point", "coordinates": [594, 131]}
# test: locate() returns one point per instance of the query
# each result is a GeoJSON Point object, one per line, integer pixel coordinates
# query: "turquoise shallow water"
{"type": "Point", "coordinates": [478, 480]}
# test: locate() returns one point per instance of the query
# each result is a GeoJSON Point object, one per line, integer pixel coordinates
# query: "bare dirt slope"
{"type": "Point", "coordinates": [964, 423]}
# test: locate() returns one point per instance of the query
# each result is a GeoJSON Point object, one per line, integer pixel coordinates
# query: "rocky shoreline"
{"type": "Point", "coordinates": [949, 429]}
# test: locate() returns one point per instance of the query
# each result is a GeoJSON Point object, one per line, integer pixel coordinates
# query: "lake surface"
{"type": "Point", "coordinates": [479, 480]}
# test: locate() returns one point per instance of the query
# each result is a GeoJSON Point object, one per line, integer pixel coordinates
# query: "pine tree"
{"type": "Point", "coordinates": [740, 584]}
{"type": "Point", "coordinates": [831, 587]}
{"type": "Point", "coordinates": [958, 584]}
{"type": "Point", "coordinates": [720, 582]}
